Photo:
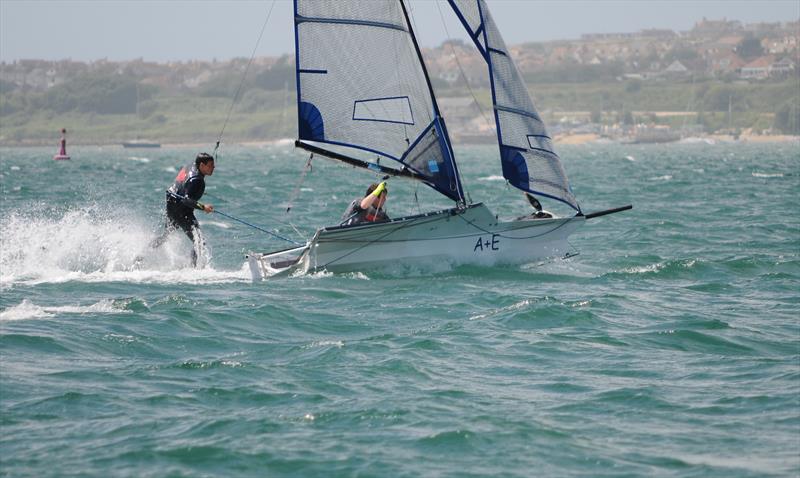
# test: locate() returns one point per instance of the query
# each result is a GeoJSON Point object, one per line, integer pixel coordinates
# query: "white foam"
{"type": "Point", "coordinates": [520, 305]}
{"type": "Point", "coordinates": [325, 343]}
{"type": "Point", "coordinates": [493, 177]}
{"type": "Point", "coordinates": [357, 275]}
{"type": "Point", "coordinates": [644, 269]}
{"type": "Point", "coordinates": [221, 225]}
{"type": "Point", "coordinates": [316, 275]}
{"type": "Point", "coordinates": [91, 245]}
{"type": "Point", "coordinates": [29, 310]}
{"type": "Point", "coordinates": [751, 462]}
{"type": "Point", "coordinates": [767, 175]}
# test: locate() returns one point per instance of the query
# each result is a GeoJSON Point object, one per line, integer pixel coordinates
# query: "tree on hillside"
{"type": "Point", "coordinates": [279, 75]}
{"type": "Point", "coordinates": [718, 98]}
{"type": "Point", "coordinates": [103, 94]}
{"type": "Point", "coordinates": [787, 118]}
{"type": "Point", "coordinates": [628, 118]}
{"type": "Point", "coordinates": [682, 53]}
{"type": "Point", "coordinates": [633, 86]}
{"type": "Point", "coordinates": [6, 86]}
{"type": "Point", "coordinates": [749, 48]}
{"type": "Point", "coordinates": [224, 85]}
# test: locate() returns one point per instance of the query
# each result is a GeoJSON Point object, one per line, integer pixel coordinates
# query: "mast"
{"type": "Point", "coordinates": [527, 157]}
{"type": "Point", "coordinates": [436, 110]}
{"type": "Point", "coordinates": [344, 98]}
{"type": "Point", "coordinates": [296, 64]}
{"type": "Point", "coordinates": [421, 61]}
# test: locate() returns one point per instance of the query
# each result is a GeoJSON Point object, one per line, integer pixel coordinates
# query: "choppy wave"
{"type": "Point", "coordinates": [667, 347]}
{"type": "Point", "coordinates": [28, 310]}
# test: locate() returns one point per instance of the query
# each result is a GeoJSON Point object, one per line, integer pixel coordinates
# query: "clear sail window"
{"type": "Point", "coordinates": [387, 110]}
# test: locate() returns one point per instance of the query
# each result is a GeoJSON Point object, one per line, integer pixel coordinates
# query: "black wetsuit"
{"type": "Point", "coordinates": [356, 215]}
{"type": "Point", "coordinates": [182, 198]}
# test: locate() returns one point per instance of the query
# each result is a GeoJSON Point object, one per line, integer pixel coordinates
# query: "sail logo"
{"type": "Point", "coordinates": [487, 244]}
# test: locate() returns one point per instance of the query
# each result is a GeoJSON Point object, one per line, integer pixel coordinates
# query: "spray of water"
{"type": "Point", "coordinates": [93, 243]}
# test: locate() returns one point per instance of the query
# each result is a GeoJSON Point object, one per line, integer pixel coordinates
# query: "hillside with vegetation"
{"type": "Point", "coordinates": [719, 77]}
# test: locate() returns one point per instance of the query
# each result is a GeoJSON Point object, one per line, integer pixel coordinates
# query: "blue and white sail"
{"type": "Point", "coordinates": [361, 83]}
{"type": "Point", "coordinates": [527, 156]}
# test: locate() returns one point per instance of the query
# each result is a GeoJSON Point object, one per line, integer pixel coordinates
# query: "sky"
{"type": "Point", "coordinates": [169, 30]}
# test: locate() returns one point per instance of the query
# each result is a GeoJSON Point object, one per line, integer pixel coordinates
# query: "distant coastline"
{"type": "Point", "coordinates": [558, 140]}
{"type": "Point", "coordinates": [721, 78]}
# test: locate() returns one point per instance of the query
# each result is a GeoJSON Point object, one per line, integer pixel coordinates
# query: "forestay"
{"type": "Point", "coordinates": [361, 84]}
{"type": "Point", "coordinates": [527, 156]}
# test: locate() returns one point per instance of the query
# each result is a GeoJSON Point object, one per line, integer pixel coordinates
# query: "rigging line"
{"type": "Point", "coordinates": [465, 193]}
{"type": "Point", "coordinates": [259, 213]}
{"type": "Point", "coordinates": [416, 198]}
{"type": "Point", "coordinates": [295, 230]}
{"type": "Point", "coordinates": [378, 239]}
{"type": "Point", "coordinates": [248, 210]}
{"type": "Point", "coordinates": [396, 49]}
{"type": "Point", "coordinates": [302, 178]}
{"type": "Point", "coordinates": [576, 249]}
{"type": "Point", "coordinates": [421, 59]}
{"type": "Point", "coordinates": [255, 227]}
{"type": "Point", "coordinates": [460, 69]}
{"type": "Point", "coordinates": [244, 76]}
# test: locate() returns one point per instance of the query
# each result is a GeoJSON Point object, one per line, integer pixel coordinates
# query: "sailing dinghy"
{"type": "Point", "coordinates": [362, 85]}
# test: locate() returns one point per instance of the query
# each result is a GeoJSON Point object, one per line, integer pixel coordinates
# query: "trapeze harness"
{"type": "Point", "coordinates": [182, 198]}
{"type": "Point", "coordinates": [355, 215]}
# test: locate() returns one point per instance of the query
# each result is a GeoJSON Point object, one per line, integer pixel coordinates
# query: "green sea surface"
{"type": "Point", "coordinates": [669, 346]}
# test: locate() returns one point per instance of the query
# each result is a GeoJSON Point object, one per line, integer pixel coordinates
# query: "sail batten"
{"type": "Point", "coordinates": [362, 84]}
{"type": "Point", "coordinates": [528, 159]}
{"type": "Point", "coordinates": [343, 21]}
{"type": "Point", "coordinates": [531, 114]}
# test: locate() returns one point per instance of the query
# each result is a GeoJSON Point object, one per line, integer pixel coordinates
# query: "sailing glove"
{"type": "Point", "coordinates": [381, 187]}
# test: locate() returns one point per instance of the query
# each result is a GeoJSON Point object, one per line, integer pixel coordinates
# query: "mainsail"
{"type": "Point", "coordinates": [361, 83]}
{"type": "Point", "coordinates": [526, 150]}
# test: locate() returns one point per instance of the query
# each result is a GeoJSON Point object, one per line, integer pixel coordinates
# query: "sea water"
{"type": "Point", "coordinates": [669, 346]}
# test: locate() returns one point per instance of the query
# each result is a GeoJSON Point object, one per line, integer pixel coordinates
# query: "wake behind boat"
{"type": "Point", "coordinates": [381, 101]}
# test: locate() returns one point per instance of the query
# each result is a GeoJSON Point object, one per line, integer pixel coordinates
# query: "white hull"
{"type": "Point", "coordinates": [459, 236]}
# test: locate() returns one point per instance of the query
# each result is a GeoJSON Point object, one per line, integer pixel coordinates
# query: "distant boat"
{"type": "Point", "coordinates": [656, 134]}
{"type": "Point", "coordinates": [62, 152]}
{"type": "Point", "coordinates": [140, 144]}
